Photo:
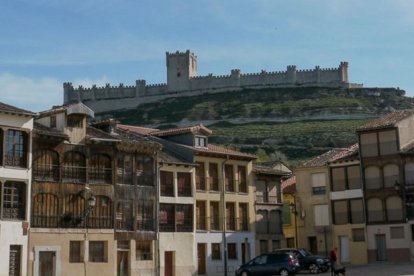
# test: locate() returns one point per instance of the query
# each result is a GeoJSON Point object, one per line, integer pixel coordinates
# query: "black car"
{"type": "Point", "coordinates": [308, 261]}
{"type": "Point", "coordinates": [275, 263]}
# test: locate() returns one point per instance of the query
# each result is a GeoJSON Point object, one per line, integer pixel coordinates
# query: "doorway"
{"type": "Point", "coordinates": [313, 245]}
{"type": "Point", "coordinates": [344, 249]}
{"type": "Point", "coordinates": [381, 244]}
{"type": "Point", "coordinates": [201, 257]}
{"type": "Point", "coordinates": [47, 263]}
{"type": "Point", "coordinates": [122, 263]}
{"type": "Point", "coordinates": [169, 263]}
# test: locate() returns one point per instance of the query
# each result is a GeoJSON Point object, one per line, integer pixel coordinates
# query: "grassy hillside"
{"type": "Point", "coordinates": [298, 123]}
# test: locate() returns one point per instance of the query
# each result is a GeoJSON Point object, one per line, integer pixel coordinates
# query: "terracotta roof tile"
{"type": "Point", "coordinates": [289, 185]}
{"type": "Point", "coordinates": [323, 159]}
{"type": "Point", "coordinates": [47, 131]}
{"type": "Point", "coordinates": [137, 129]}
{"type": "Point", "coordinates": [350, 151]}
{"type": "Point", "coordinates": [15, 110]}
{"type": "Point", "coordinates": [388, 120]}
{"type": "Point", "coordinates": [181, 130]}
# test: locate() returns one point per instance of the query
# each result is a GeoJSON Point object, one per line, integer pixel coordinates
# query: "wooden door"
{"type": "Point", "coordinates": [169, 263]}
{"type": "Point", "coordinates": [122, 263]}
{"type": "Point", "coordinates": [47, 263]}
{"type": "Point", "coordinates": [15, 260]}
{"type": "Point", "coordinates": [201, 256]}
{"type": "Point", "coordinates": [381, 247]}
{"type": "Point", "coordinates": [344, 255]}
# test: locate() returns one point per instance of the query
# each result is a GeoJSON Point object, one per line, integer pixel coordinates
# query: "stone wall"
{"type": "Point", "coordinates": [183, 82]}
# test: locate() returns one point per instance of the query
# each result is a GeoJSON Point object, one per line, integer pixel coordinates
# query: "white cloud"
{"type": "Point", "coordinates": [36, 94]}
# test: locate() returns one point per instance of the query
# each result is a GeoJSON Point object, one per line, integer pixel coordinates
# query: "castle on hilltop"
{"type": "Point", "coordinates": [182, 80]}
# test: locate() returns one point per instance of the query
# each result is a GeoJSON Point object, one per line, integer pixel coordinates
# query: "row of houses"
{"type": "Point", "coordinates": [113, 199]}
{"type": "Point", "coordinates": [359, 199]}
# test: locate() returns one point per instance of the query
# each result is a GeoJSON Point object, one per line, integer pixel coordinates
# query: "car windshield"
{"type": "Point", "coordinates": [304, 252]}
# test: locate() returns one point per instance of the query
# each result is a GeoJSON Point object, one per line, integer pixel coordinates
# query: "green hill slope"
{"type": "Point", "coordinates": [294, 122]}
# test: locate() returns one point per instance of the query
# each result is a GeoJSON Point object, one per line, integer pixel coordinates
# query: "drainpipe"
{"type": "Point", "coordinates": [157, 210]}
{"type": "Point", "coordinates": [223, 200]}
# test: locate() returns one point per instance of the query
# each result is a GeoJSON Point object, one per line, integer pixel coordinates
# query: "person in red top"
{"type": "Point", "coordinates": [333, 258]}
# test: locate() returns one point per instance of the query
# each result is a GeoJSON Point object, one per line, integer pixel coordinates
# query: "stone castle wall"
{"type": "Point", "coordinates": [184, 83]}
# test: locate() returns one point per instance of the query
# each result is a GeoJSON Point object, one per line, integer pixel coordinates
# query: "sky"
{"type": "Point", "coordinates": [44, 43]}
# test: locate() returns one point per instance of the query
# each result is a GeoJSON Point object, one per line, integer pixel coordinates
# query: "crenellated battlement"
{"type": "Point", "coordinates": [182, 80]}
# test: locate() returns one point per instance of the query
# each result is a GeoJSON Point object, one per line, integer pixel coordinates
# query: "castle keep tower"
{"type": "Point", "coordinates": [180, 68]}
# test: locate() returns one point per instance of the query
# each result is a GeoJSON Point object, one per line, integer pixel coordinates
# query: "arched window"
{"type": "Point", "coordinates": [394, 208]}
{"type": "Point", "coordinates": [45, 211]}
{"type": "Point", "coordinates": [73, 211]}
{"type": "Point", "coordinates": [14, 200]}
{"type": "Point", "coordinates": [46, 165]}
{"type": "Point", "coordinates": [372, 178]}
{"type": "Point", "coordinates": [101, 214]}
{"type": "Point", "coordinates": [100, 169]}
{"type": "Point", "coordinates": [74, 167]}
{"type": "Point", "coordinates": [375, 210]}
{"type": "Point", "coordinates": [391, 175]}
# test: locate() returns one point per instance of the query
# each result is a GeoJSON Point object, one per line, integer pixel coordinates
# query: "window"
{"type": "Point", "coordinates": [321, 215]}
{"type": "Point", "coordinates": [75, 251]}
{"type": "Point", "coordinates": [230, 214]}
{"type": "Point", "coordinates": [45, 211]}
{"type": "Point", "coordinates": [358, 234]}
{"type": "Point", "coordinates": [200, 141]}
{"type": "Point", "coordinates": [97, 251]}
{"type": "Point", "coordinates": [242, 179]}
{"type": "Point", "coordinates": [184, 184]}
{"type": "Point", "coordinates": [340, 209]}
{"type": "Point", "coordinates": [145, 170]}
{"type": "Point", "coordinates": [46, 165]}
{"type": "Point", "coordinates": [214, 216]}
{"type": "Point", "coordinates": [184, 218]}
{"type": "Point", "coordinates": [388, 142]}
{"type": "Point", "coordinates": [201, 215]}
{"type": "Point", "coordinates": [357, 211]}
{"type": "Point", "coordinates": [16, 148]}
{"type": "Point", "coordinates": [369, 144]}
{"type": "Point", "coordinates": [167, 183]}
{"type": "Point", "coordinates": [101, 215]}
{"type": "Point", "coordinates": [167, 218]}
{"type": "Point", "coordinates": [200, 177]}
{"type": "Point", "coordinates": [232, 251]}
{"type": "Point", "coordinates": [74, 120]}
{"type": "Point", "coordinates": [100, 169]}
{"type": "Point", "coordinates": [52, 121]}
{"type": "Point", "coordinates": [354, 177]}
{"type": "Point", "coordinates": [213, 174]}
{"type": "Point", "coordinates": [412, 232]}
{"type": "Point", "coordinates": [124, 172]}
{"type": "Point", "coordinates": [286, 213]}
{"type": "Point", "coordinates": [243, 217]}
{"type": "Point", "coordinates": [275, 223]}
{"type": "Point", "coordinates": [229, 178]}
{"type": "Point", "coordinates": [262, 223]}
{"type": "Point", "coordinates": [215, 251]}
{"type": "Point", "coordinates": [394, 208]}
{"type": "Point", "coordinates": [143, 250]}
{"type": "Point", "coordinates": [318, 183]}
{"type": "Point", "coordinates": [397, 232]}
{"type": "Point", "coordinates": [375, 210]}
{"type": "Point", "coordinates": [409, 173]}
{"type": "Point", "coordinates": [14, 198]}
{"type": "Point", "coordinates": [73, 206]}
{"type": "Point", "coordinates": [275, 244]}
{"type": "Point", "coordinates": [338, 179]}
{"type": "Point", "coordinates": [145, 215]}
{"type": "Point", "coordinates": [74, 167]}
{"type": "Point", "coordinates": [372, 178]}
{"type": "Point", "coordinates": [391, 175]}
{"type": "Point", "coordinates": [15, 254]}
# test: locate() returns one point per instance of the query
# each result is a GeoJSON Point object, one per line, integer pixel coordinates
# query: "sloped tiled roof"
{"type": "Point", "coordinates": [346, 154]}
{"type": "Point", "coordinates": [182, 130]}
{"type": "Point", "coordinates": [93, 132]}
{"type": "Point", "coordinates": [289, 185]}
{"type": "Point", "coordinates": [388, 120]}
{"type": "Point", "coordinates": [223, 150]}
{"type": "Point", "coordinates": [6, 108]}
{"type": "Point", "coordinates": [274, 167]}
{"type": "Point", "coordinates": [137, 129]}
{"type": "Point", "coordinates": [323, 159]}
{"type": "Point", "coordinates": [40, 129]}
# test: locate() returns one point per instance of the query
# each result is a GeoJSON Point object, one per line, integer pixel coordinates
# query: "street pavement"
{"type": "Point", "coordinates": [376, 269]}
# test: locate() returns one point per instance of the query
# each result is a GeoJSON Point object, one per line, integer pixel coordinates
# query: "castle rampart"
{"type": "Point", "coordinates": [183, 81]}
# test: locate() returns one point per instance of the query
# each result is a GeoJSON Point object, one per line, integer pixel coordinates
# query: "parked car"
{"type": "Point", "coordinates": [308, 261]}
{"type": "Point", "coordinates": [275, 263]}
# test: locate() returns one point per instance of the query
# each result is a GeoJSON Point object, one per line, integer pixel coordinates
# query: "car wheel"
{"type": "Point", "coordinates": [245, 273]}
{"type": "Point", "coordinates": [284, 272]}
{"type": "Point", "coordinates": [313, 268]}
